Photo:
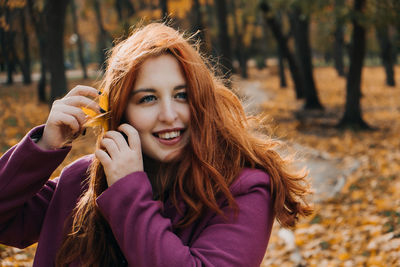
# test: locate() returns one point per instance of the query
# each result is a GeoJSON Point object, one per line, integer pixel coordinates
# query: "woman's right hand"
{"type": "Point", "coordinates": [66, 118]}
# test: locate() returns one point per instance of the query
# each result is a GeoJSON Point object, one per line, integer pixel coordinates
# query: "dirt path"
{"type": "Point", "coordinates": [327, 173]}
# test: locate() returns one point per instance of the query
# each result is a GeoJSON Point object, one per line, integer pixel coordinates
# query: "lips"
{"type": "Point", "coordinates": [169, 136]}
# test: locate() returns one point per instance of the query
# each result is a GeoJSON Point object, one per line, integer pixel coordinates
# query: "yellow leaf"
{"type": "Point", "coordinates": [357, 194]}
{"type": "Point", "coordinates": [344, 256]}
{"type": "Point", "coordinates": [383, 204]}
{"type": "Point", "coordinates": [103, 101]}
{"type": "Point", "coordinates": [96, 119]}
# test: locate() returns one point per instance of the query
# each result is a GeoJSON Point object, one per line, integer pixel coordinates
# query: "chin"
{"type": "Point", "coordinates": [169, 156]}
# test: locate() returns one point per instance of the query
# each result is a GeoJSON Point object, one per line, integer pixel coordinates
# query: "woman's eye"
{"type": "Point", "coordinates": [147, 99]}
{"type": "Point", "coordinates": [181, 95]}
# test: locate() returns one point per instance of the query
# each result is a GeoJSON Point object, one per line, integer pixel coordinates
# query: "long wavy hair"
{"type": "Point", "coordinates": [222, 142]}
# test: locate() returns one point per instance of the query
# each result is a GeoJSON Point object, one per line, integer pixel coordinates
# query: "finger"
{"type": "Point", "coordinates": [110, 146]}
{"type": "Point", "coordinates": [81, 101]}
{"type": "Point", "coordinates": [78, 113]}
{"type": "Point", "coordinates": [70, 121]}
{"type": "Point", "coordinates": [83, 90]}
{"type": "Point", "coordinates": [132, 134]}
{"type": "Point", "coordinates": [118, 139]}
{"type": "Point", "coordinates": [103, 157]}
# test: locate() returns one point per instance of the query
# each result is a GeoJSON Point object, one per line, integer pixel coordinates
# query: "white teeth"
{"type": "Point", "coordinates": [169, 135]}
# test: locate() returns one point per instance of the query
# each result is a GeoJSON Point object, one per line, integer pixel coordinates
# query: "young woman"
{"type": "Point", "coordinates": [179, 179]}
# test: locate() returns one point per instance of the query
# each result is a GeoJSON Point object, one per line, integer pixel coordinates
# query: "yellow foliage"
{"type": "Point", "coordinates": [358, 227]}
{"type": "Point", "coordinates": [96, 119]}
{"type": "Point", "coordinates": [179, 8]}
{"type": "Point", "coordinates": [344, 256]}
{"type": "Point", "coordinates": [351, 229]}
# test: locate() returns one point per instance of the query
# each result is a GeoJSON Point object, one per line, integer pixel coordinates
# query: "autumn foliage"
{"type": "Point", "coordinates": [360, 226]}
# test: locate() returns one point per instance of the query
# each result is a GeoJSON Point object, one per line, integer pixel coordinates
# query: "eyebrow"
{"type": "Point", "coordinates": [151, 90]}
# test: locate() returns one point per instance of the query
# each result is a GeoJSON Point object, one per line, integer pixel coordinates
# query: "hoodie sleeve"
{"type": "Point", "coordinates": [146, 237]}
{"type": "Point", "coordinates": [25, 189]}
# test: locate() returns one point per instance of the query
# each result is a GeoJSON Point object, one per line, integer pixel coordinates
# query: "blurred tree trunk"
{"type": "Point", "coordinates": [339, 40]}
{"type": "Point", "coordinates": [198, 25]}
{"type": "Point", "coordinates": [2, 49]}
{"type": "Point", "coordinates": [386, 47]}
{"type": "Point", "coordinates": [55, 20]}
{"type": "Point", "coordinates": [7, 44]}
{"type": "Point", "coordinates": [282, 76]}
{"type": "Point", "coordinates": [78, 39]}
{"type": "Point", "coordinates": [300, 28]}
{"type": "Point", "coordinates": [125, 10]}
{"type": "Point", "coordinates": [281, 63]}
{"type": "Point", "coordinates": [164, 9]}
{"type": "Point", "coordinates": [338, 50]}
{"type": "Point", "coordinates": [352, 115]}
{"type": "Point", "coordinates": [282, 43]}
{"type": "Point", "coordinates": [26, 66]}
{"type": "Point", "coordinates": [210, 16]}
{"type": "Point", "coordinates": [211, 22]}
{"type": "Point", "coordinates": [239, 48]}
{"type": "Point", "coordinates": [224, 41]}
{"type": "Point", "coordinates": [102, 37]}
{"type": "Point", "coordinates": [396, 42]}
{"type": "Point", "coordinates": [4, 39]}
{"type": "Point", "coordinates": [37, 20]}
{"type": "Point", "coordinates": [8, 61]}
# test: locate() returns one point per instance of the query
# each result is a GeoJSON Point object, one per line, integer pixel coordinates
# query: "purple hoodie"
{"type": "Point", "coordinates": [35, 209]}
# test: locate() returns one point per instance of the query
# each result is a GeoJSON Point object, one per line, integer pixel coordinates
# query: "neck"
{"type": "Point", "coordinates": [151, 167]}
{"type": "Point", "coordinates": [155, 171]}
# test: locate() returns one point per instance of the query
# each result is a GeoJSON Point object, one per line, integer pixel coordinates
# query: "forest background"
{"type": "Point", "coordinates": [328, 69]}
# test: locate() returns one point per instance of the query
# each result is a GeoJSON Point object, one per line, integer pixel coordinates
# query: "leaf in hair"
{"type": "Point", "coordinates": [96, 119]}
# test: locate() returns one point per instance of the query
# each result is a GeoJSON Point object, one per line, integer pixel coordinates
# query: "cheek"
{"type": "Point", "coordinates": [139, 119]}
{"type": "Point", "coordinates": [185, 114]}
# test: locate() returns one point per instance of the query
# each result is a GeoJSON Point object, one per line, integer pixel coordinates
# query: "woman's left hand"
{"type": "Point", "coordinates": [120, 157]}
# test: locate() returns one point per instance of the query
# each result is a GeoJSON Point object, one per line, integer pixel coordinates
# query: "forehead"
{"type": "Point", "coordinates": [162, 69]}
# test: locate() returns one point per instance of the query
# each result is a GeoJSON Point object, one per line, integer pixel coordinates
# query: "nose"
{"type": "Point", "coordinates": [167, 113]}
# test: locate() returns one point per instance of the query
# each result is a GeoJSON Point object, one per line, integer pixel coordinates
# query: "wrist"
{"type": "Point", "coordinates": [43, 144]}
{"type": "Point", "coordinates": [38, 140]}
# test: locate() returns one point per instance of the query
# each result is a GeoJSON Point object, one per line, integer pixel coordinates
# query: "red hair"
{"type": "Point", "coordinates": [222, 142]}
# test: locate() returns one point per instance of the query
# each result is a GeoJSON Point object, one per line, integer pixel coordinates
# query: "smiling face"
{"type": "Point", "coordinates": [158, 108]}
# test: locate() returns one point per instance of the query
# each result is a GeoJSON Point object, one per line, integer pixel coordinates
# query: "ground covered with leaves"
{"type": "Point", "coordinates": [359, 226]}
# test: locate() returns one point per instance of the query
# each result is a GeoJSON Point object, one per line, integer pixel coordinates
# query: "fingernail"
{"type": "Point", "coordinates": [74, 136]}
{"type": "Point", "coordinates": [102, 110]}
{"type": "Point", "coordinates": [84, 131]}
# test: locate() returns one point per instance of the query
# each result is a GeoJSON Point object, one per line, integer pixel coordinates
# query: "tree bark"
{"type": "Point", "coordinates": [78, 39]}
{"type": "Point", "coordinates": [198, 25]}
{"type": "Point", "coordinates": [282, 43]}
{"type": "Point", "coordinates": [240, 49]}
{"type": "Point", "coordinates": [102, 37]}
{"type": "Point", "coordinates": [38, 22]}
{"type": "Point", "coordinates": [211, 22]}
{"type": "Point", "coordinates": [9, 67]}
{"type": "Point", "coordinates": [282, 76]}
{"type": "Point", "coordinates": [7, 43]}
{"type": "Point", "coordinates": [55, 20]}
{"type": "Point", "coordinates": [339, 41]}
{"type": "Point", "coordinates": [352, 117]}
{"type": "Point", "coordinates": [164, 9]}
{"type": "Point", "coordinates": [300, 26]}
{"type": "Point", "coordinates": [338, 50]}
{"type": "Point", "coordinates": [281, 63]}
{"type": "Point", "coordinates": [124, 10]}
{"type": "Point", "coordinates": [26, 65]}
{"type": "Point", "coordinates": [224, 41]}
{"type": "Point", "coordinates": [2, 51]}
{"type": "Point", "coordinates": [386, 47]}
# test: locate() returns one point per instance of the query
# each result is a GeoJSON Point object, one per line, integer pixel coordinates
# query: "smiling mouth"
{"type": "Point", "coordinates": [168, 135]}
